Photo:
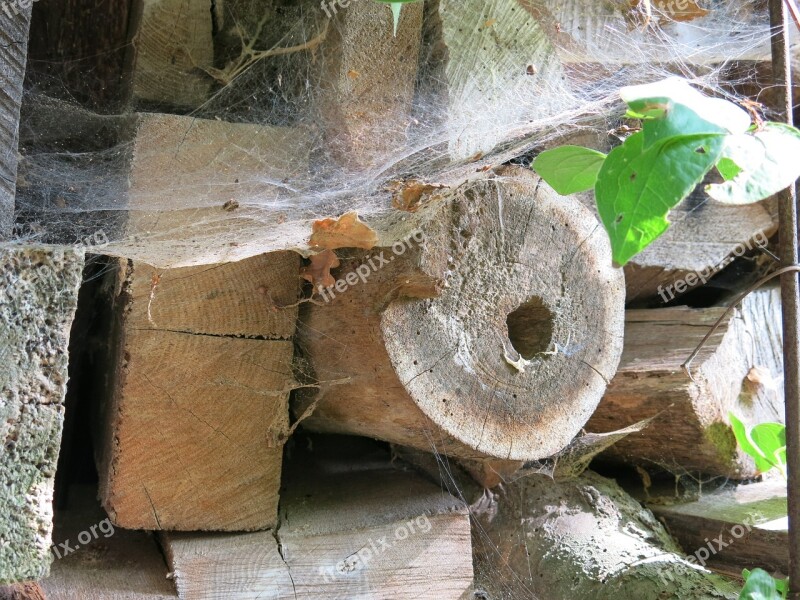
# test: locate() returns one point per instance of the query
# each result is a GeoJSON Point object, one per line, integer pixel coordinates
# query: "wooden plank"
{"type": "Point", "coordinates": [173, 44]}
{"type": "Point", "coordinates": [703, 238]}
{"type": "Point", "coordinates": [38, 299]}
{"type": "Point", "coordinates": [192, 435]}
{"type": "Point", "coordinates": [492, 69]}
{"type": "Point", "coordinates": [367, 81]}
{"type": "Point", "coordinates": [346, 531]}
{"type": "Point", "coordinates": [738, 370]}
{"type": "Point", "coordinates": [733, 529]}
{"type": "Point", "coordinates": [114, 563]}
{"type": "Point", "coordinates": [206, 192]}
{"type": "Point", "coordinates": [14, 25]}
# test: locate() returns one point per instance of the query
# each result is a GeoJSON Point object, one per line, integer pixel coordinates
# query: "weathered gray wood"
{"type": "Point", "coordinates": [584, 538]}
{"type": "Point", "coordinates": [38, 299]}
{"type": "Point", "coordinates": [173, 44]}
{"type": "Point", "coordinates": [703, 238]}
{"type": "Point", "coordinates": [733, 529]}
{"type": "Point", "coordinates": [14, 25]}
{"type": "Point", "coordinates": [738, 370]}
{"type": "Point", "coordinates": [493, 337]}
{"type": "Point", "coordinates": [347, 531]}
{"type": "Point", "coordinates": [490, 71]}
{"type": "Point", "coordinates": [115, 563]}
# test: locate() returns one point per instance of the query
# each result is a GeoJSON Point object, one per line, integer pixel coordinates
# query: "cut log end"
{"type": "Point", "coordinates": [513, 357]}
{"type": "Point", "coordinates": [510, 360]}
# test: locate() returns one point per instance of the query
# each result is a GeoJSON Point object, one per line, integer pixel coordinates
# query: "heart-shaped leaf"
{"type": "Point", "coordinates": [569, 169]}
{"type": "Point", "coordinates": [769, 161]}
{"type": "Point", "coordinates": [637, 186]}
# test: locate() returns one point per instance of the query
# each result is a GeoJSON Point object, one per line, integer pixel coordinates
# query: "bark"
{"type": "Point", "coordinates": [493, 338]}
{"type": "Point", "coordinates": [739, 370]}
{"type": "Point", "coordinates": [587, 539]}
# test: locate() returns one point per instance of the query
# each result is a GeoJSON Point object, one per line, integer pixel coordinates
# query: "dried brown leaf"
{"type": "Point", "coordinates": [318, 272]}
{"type": "Point", "coordinates": [348, 231]}
{"type": "Point", "coordinates": [409, 195]}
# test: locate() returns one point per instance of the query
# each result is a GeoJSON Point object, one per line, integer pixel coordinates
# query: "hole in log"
{"type": "Point", "coordinates": [530, 328]}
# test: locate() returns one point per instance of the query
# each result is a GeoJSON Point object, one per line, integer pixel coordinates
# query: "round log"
{"type": "Point", "coordinates": [583, 538]}
{"type": "Point", "coordinates": [494, 336]}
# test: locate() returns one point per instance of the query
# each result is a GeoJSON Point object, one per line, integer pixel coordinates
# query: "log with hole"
{"type": "Point", "coordinates": [485, 325]}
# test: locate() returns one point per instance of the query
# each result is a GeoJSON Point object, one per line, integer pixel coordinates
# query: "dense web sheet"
{"type": "Point", "coordinates": [310, 123]}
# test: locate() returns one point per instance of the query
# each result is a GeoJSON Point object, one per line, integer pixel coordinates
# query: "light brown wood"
{"type": "Point", "coordinates": [738, 370]}
{"type": "Point", "coordinates": [14, 25]}
{"type": "Point", "coordinates": [745, 526]}
{"type": "Point", "coordinates": [173, 44]}
{"type": "Point", "coordinates": [346, 531]}
{"type": "Point", "coordinates": [367, 79]}
{"type": "Point", "coordinates": [583, 538]}
{"type": "Point", "coordinates": [493, 338]}
{"type": "Point", "coordinates": [38, 300]}
{"type": "Point", "coordinates": [203, 192]}
{"type": "Point", "coordinates": [192, 435]}
{"type": "Point", "coordinates": [115, 563]}
{"type": "Point", "coordinates": [21, 591]}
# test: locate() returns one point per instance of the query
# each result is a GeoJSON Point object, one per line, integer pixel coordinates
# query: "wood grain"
{"type": "Point", "coordinates": [193, 433]}
{"type": "Point", "coordinates": [426, 343]}
{"type": "Point", "coordinates": [367, 81]}
{"type": "Point", "coordinates": [738, 370]}
{"type": "Point", "coordinates": [346, 531]}
{"type": "Point", "coordinates": [173, 44]}
{"type": "Point", "coordinates": [14, 25]}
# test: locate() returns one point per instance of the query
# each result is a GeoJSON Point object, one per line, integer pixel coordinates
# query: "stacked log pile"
{"type": "Point", "coordinates": [478, 327]}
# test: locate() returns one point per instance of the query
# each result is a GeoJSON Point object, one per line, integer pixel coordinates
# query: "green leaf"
{"type": "Point", "coordinates": [759, 585]}
{"type": "Point", "coordinates": [728, 168]}
{"type": "Point", "coordinates": [638, 185]}
{"type": "Point", "coordinates": [397, 7]}
{"type": "Point", "coordinates": [569, 169]}
{"type": "Point", "coordinates": [769, 163]}
{"type": "Point", "coordinates": [765, 443]}
{"type": "Point", "coordinates": [673, 108]}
